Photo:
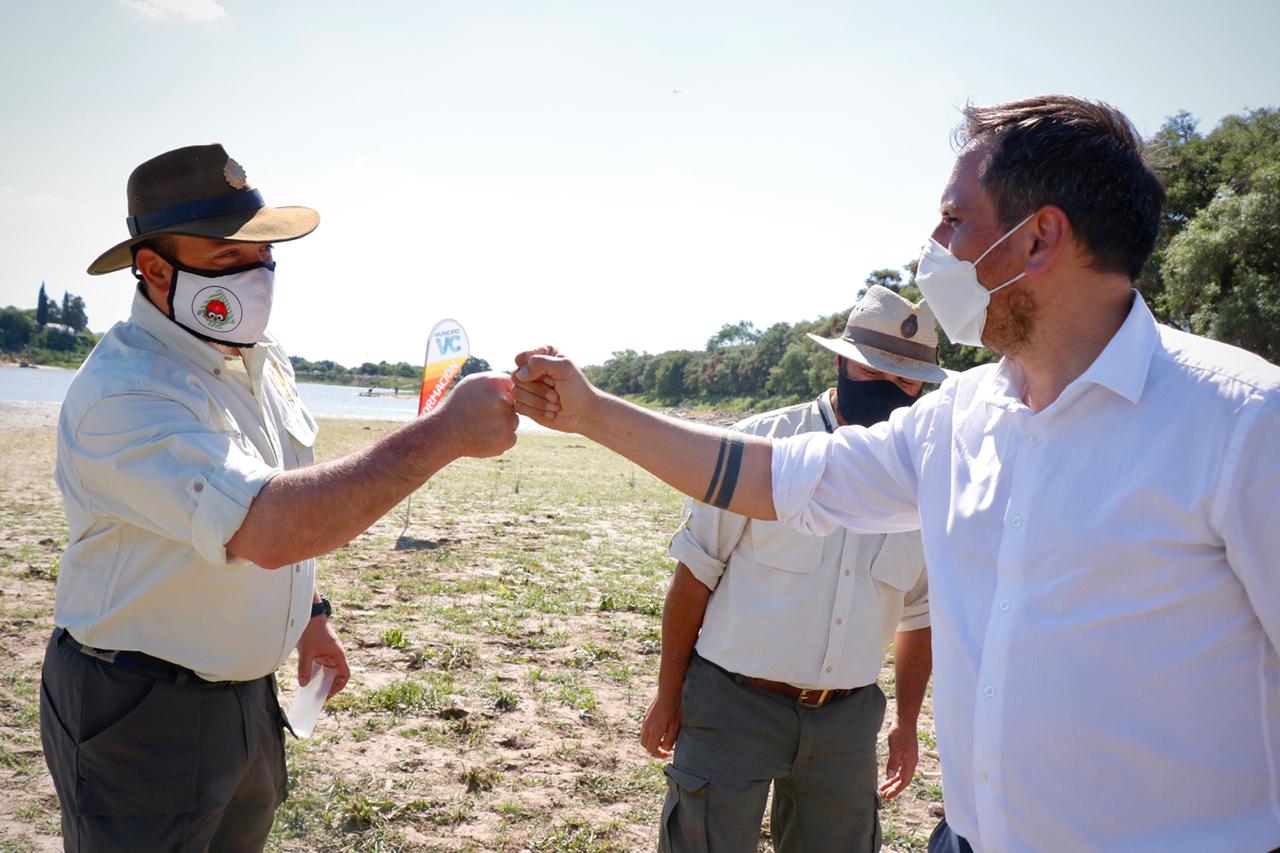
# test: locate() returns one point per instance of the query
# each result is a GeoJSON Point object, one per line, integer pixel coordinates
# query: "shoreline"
{"type": "Point", "coordinates": [4, 362]}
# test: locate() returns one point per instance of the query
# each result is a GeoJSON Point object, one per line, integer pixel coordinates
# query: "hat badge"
{"type": "Point", "coordinates": [234, 173]}
{"type": "Point", "coordinates": [910, 326]}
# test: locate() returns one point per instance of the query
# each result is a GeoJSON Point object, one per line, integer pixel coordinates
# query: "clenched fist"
{"type": "Point", "coordinates": [481, 414]}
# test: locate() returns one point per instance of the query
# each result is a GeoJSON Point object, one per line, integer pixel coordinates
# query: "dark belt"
{"type": "Point", "coordinates": [139, 662]}
{"type": "Point", "coordinates": [806, 697]}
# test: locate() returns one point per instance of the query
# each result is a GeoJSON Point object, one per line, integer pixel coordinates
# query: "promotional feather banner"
{"type": "Point", "coordinates": [447, 351]}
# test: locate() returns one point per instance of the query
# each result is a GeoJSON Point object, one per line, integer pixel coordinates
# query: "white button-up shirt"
{"type": "Point", "coordinates": [1105, 590]}
{"type": "Point", "coordinates": [163, 443]}
{"type": "Point", "coordinates": [830, 603]}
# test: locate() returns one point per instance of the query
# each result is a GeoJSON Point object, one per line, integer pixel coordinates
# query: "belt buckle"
{"type": "Point", "coordinates": [803, 700]}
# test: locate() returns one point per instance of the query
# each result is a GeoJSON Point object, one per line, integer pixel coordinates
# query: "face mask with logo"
{"type": "Point", "coordinates": [230, 306]}
{"type": "Point", "coordinates": [868, 401]}
{"type": "Point", "coordinates": [951, 288]}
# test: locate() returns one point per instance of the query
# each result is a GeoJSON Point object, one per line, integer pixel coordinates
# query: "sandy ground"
{"type": "Point", "coordinates": [17, 415]}
{"type": "Point", "coordinates": [503, 635]}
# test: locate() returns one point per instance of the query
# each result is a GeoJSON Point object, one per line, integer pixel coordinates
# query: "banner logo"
{"type": "Point", "coordinates": [447, 351]}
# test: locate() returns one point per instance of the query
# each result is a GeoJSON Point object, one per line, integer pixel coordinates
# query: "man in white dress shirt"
{"type": "Point", "coordinates": [798, 705]}
{"type": "Point", "coordinates": [1098, 509]}
{"type": "Point", "coordinates": [195, 514]}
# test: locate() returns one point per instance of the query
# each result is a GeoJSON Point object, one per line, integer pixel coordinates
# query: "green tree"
{"type": "Point", "coordinates": [16, 329]}
{"type": "Point", "coordinates": [623, 373]}
{"type": "Point", "coordinates": [889, 278]}
{"type": "Point", "coordinates": [473, 365]}
{"type": "Point", "coordinates": [73, 312]}
{"type": "Point", "coordinates": [790, 378]}
{"type": "Point", "coordinates": [764, 356]}
{"type": "Point", "coordinates": [731, 334]}
{"type": "Point", "coordinates": [1195, 168]}
{"type": "Point", "coordinates": [1222, 271]}
{"type": "Point", "coordinates": [668, 376]}
{"type": "Point", "coordinates": [42, 308]}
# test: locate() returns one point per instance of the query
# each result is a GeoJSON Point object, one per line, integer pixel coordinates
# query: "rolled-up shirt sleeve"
{"type": "Point", "coordinates": [148, 461]}
{"type": "Point", "coordinates": [705, 539]}
{"type": "Point", "coordinates": [915, 606]}
{"type": "Point", "coordinates": [859, 478]}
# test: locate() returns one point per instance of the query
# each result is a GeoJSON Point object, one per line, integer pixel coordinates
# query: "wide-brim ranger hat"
{"type": "Point", "coordinates": [891, 334]}
{"type": "Point", "coordinates": [199, 191]}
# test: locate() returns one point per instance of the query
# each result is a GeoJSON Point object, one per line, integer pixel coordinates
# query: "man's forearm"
{"type": "Point", "coordinates": [310, 511]}
{"type": "Point", "coordinates": [716, 466]}
{"type": "Point", "coordinates": [682, 615]}
{"type": "Point", "coordinates": [912, 664]}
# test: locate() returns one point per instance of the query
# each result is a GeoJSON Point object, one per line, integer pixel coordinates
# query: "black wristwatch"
{"type": "Point", "coordinates": [321, 607]}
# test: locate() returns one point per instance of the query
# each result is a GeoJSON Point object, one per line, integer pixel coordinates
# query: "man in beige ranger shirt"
{"type": "Point", "coordinates": [195, 514]}
{"type": "Point", "coordinates": [782, 686]}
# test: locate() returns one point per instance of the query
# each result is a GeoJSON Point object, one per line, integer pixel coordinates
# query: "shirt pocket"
{"type": "Point", "coordinates": [900, 561]}
{"type": "Point", "coordinates": [777, 546]}
{"type": "Point", "coordinates": [302, 429]}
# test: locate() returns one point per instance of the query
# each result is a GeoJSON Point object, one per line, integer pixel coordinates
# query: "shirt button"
{"type": "Point", "coordinates": [828, 669]}
{"type": "Point", "coordinates": [217, 371]}
{"type": "Point", "coordinates": [1035, 441]}
{"type": "Point", "coordinates": [988, 691]}
{"type": "Point", "coordinates": [983, 776]}
{"type": "Point", "coordinates": [1005, 605]}
{"type": "Point", "coordinates": [199, 487]}
{"type": "Point", "coordinates": [846, 571]}
{"type": "Point", "coordinates": [297, 569]}
{"type": "Point", "coordinates": [839, 621]}
{"type": "Point", "coordinates": [290, 623]}
{"type": "Point", "coordinates": [1016, 521]}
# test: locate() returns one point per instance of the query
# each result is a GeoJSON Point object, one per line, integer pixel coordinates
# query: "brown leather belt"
{"type": "Point", "coordinates": [806, 697]}
{"type": "Point", "coordinates": [143, 664]}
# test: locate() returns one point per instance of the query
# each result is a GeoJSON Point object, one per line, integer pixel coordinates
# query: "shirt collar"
{"type": "Point", "coordinates": [1123, 364]}
{"type": "Point", "coordinates": [150, 319]}
{"type": "Point", "coordinates": [1121, 367]}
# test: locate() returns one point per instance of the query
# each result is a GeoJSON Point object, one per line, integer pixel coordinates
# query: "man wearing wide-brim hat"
{"type": "Point", "coordinates": [195, 514]}
{"type": "Point", "coordinates": [781, 688]}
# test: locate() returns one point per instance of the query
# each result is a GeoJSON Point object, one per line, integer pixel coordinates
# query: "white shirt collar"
{"type": "Point", "coordinates": [1121, 367]}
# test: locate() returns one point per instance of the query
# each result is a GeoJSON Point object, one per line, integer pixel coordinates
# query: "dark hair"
{"type": "Point", "coordinates": [162, 244]}
{"type": "Point", "coordinates": [1083, 156]}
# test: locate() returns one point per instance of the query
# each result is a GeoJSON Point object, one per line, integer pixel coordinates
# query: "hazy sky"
{"type": "Point", "coordinates": [601, 175]}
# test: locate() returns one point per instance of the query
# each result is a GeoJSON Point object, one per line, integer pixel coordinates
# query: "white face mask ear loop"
{"type": "Point", "coordinates": [1006, 236]}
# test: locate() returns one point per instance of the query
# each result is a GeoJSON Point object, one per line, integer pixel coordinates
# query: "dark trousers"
{"type": "Point", "coordinates": [944, 840]}
{"type": "Point", "coordinates": [158, 764]}
{"type": "Point", "coordinates": [737, 740]}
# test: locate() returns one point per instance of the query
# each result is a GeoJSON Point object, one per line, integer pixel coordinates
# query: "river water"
{"type": "Point", "coordinates": [38, 393]}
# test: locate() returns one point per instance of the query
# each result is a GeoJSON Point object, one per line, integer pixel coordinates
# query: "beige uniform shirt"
{"type": "Point", "coordinates": [163, 443]}
{"type": "Point", "coordinates": [812, 611]}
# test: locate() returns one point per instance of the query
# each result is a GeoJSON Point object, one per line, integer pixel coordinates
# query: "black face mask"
{"type": "Point", "coordinates": [867, 402]}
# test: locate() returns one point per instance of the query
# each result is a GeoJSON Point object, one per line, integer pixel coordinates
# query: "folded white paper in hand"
{"type": "Point", "coordinates": [309, 699]}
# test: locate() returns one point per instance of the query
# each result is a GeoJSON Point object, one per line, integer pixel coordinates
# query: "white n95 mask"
{"type": "Point", "coordinates": [951, 288]}
{"type": "Point", "coordinates": [230, 306]}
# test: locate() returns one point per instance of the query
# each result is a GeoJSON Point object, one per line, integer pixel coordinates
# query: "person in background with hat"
{"type": "Point", "coordinates": [782, 685]}
{"type": "Point", "coordinates": [195, 515]}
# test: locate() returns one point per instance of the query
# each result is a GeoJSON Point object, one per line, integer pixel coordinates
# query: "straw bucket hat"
{"type": "Point", "coordinates": [199, 191]}
{"type": "Point", "coordinates": [889, 333]}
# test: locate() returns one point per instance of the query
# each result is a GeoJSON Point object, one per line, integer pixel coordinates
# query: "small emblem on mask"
{"type": "Point", "coordinates": [216, 309]}
{"type": "Point", "coordinates": [234, 173]}
{"type": "Point", "coordinates": [910, 326]}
